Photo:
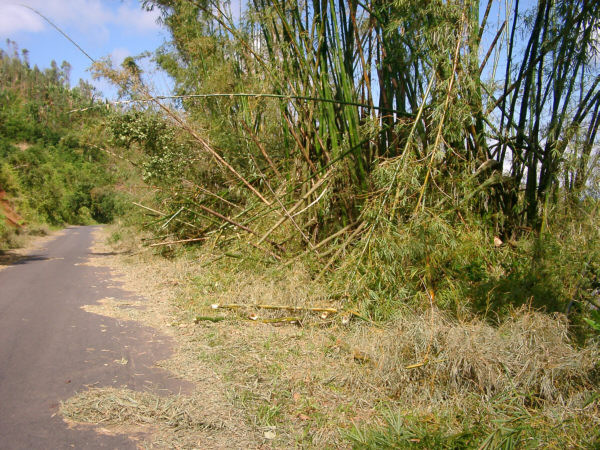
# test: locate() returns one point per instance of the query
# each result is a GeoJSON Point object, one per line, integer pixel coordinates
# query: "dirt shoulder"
{"type": "Point", "coordinates": [281, 378]}
{"type": "Point", "coordinates": [203, 418]}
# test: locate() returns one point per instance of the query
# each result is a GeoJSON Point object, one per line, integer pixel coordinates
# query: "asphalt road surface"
{"type": "Point", "coordinates": [50, 348]}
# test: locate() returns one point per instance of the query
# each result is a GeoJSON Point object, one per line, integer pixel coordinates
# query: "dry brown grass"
{"type": "Point", "coordinates": [285, 385]}
{"type": "Point", "coordinates": [175, 421]}
{"type": "Point", "coordinates": [531, 352]}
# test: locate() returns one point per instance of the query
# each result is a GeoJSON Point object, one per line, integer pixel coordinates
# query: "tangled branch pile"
{"type": "Point", "coordinates": [317, 130]}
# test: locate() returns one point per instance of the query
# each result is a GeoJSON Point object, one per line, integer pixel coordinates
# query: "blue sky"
{"type": "Point", "coordinates": [115, 28]}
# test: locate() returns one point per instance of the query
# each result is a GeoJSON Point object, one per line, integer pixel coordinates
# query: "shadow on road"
{"type": "Point", "coordinates": [9, 258]}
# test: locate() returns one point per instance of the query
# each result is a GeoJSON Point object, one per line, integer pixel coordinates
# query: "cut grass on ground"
{"type": "Point", "coordinates": [422, 380]}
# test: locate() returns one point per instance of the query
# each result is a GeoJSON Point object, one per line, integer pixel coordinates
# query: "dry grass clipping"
{"type": "Point", "coordinates": [305, 384]}
{"type": "Point", "coordinates": [530, 352]}
{"type": "Point", "coordinates": [168, 422]}
{"type": "Point", "coordinates": [122, 406]}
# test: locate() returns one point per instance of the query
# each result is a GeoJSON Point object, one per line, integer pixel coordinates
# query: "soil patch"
{"type": "Point", "coordinates": [11, 217]}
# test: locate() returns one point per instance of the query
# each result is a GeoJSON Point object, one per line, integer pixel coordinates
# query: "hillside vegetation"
{"type": "Point", "coordinates": [52, 170]}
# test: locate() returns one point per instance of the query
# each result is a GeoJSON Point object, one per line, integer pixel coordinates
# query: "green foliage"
{"type": "Point", "coordinates": [327, 59]}
{"type": "Point", "coordinates": [497, 424]}
{"type": "Point", "coordinates": [106, 204]}
{"type": "Point", "coordinates": [409, 432]}
{"type": "Point", "coordinates": [3, 228]}
{"type": "Point", "coordinates": [50, 166]}
{"type": "Point", "coordinates": [9, 179]}
{"type": "Point", "coordinates": [433, 166]}
{"type": "Point", "coordinates": [594, 320]}
{"type": "Point", "coordinates": [549, 271]}
{"type": "Point", "coordinates": [439, 252]}
{"type": "Point", "coordinates": [165, 157]}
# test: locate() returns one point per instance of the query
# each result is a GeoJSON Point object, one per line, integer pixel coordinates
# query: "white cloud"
{"type": "Point", "coordinates": [15, 18]}
{"type": "Point", "coordinates": [94, 17]}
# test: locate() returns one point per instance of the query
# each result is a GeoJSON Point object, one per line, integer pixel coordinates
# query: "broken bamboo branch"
{"type": "Point", "coordinates": [149, 209]}
{"type": "Point", "coordinates": [295, 207]}
{"type": "Point", "coordinates": [281, 319]}
{"type": "Point", "coordinates": [155, 211]}
{"type": "Point", "coordinates": [209, 149]}
{"type": "Point", "coordinates": [282, 206]}
{"type": "Point", "coordinates": [280, 307]}
{"type": "Point", "coordinates": [260, 147]}
{"type": "Point", "coordinates": [322, 243]}
{"type": "Point", "coordinates": [243, 227]}
{"type": "Point", "coordinates": [181, 241]}
{"type": "Point", "coordinates": [310, 205]}
{"type": "Point", "coordinates": [299, 143]}
{"type": "Point", "coordinates": [342, 247]}
{"type": "Point", "coordinates": [212, 194]}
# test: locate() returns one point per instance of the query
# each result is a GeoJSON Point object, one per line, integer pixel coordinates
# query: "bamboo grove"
{"type": "Point", "coordinates": [306, 123]}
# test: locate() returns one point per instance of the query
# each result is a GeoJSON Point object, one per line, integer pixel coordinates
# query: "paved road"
{"type": "Point", "coordinates": [50, 348]}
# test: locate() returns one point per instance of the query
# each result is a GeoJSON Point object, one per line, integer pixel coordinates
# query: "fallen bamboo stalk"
{"type": "Point", "coordinates": [155, 211]}
{"type": "Point", "coordinates": [153, 222]}
{"type": "Point", "coordinates": [212, 194]}
{"type": "Point", "coordinates": [350, 312]}
{"type": "Point", "coordinates": [440, 129]}
{"type": "Point", "coordinates": [327, 252]}
{"type": "Point", "coordinates": [238, 216]}
{"type": "Point", "coordinates": [230, 95]}
{"type": "Point", "coordinates": [280, 307]}
{"type": "Point", "coordinates": [164, 225]}
{"type": "Point", "coordinates": [299, 143]}
{"type": "Point", "coordinates": [285, 211]}
{"type": "Point", "coordinates": [209, 149]}
{"type": "Point", "coordinates": [280, 319]}
{"type": "Point", "coordinates": [322, 243]}
{"type": "Point", "coordinates": [310, 205]}
{"type": "Point", "coordinates": [260, 147]}
{"type": "Point", "coordinates": [340, 250]}
{"type": "Point", "coordinates": [149, 209]}
{"type": "Point", "coordinates": [205, 217]}
{"type": "Point", "coordinates": [226, 219]}
{"type": "Point", "coordinates": [299, 308]}
{"type": "Point", "coordinates": [261, 214]}
{"type": "Point", "coordinates": [181, 241]}
{"type": "Point", "coordinates": [295, 207]}
{"type": "Point", "coordinates": [243, 227]}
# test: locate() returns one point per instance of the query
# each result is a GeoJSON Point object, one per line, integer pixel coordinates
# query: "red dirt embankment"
{"type": "Point", "coordinates": [10, 215]}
